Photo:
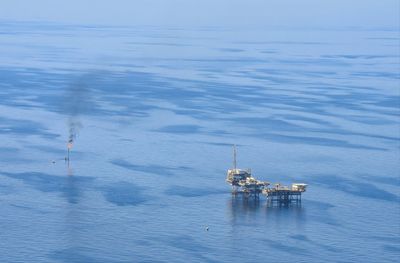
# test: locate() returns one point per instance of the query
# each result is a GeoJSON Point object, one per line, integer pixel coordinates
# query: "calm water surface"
{"type": "Point", "coordinates": [157, 111]}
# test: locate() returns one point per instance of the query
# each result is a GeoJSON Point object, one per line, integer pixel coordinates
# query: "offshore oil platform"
{"type": "Point", "coordinates": [245, 184]}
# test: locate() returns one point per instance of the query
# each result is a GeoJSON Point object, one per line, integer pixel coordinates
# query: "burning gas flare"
{"type": "Point", "coordinates": [70, 144]}
{"type": "Point", "coordinates": [77, 102]}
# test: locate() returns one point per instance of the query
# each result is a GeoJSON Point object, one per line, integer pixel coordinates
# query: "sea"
{"type": "Point", "coordinates": [153, 112]}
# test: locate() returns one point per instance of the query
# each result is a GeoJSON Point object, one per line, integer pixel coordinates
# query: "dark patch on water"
{"type": "Point", "coordinates": [6, 189]}
{"type": "Point", "coordinates": [82, 255]}
{"type": "Point", "coordinates": [180, 129]}
{"type": "Point", "coordinates": [25, 128]}
{"type": "Point", "coordinates": [358, 56]}
{"type": "Point", "coordinates": [391, 239]}
{"type": "Point", "coordinates": [233, 50]}
{"type": "Point", "coordinates": [8, 150]}
{"type": "Point", "coordinates": [266, 123]}
{"type": "Point", "coordinates": [124, 194]}
{"type": "Point", "coordinates": [395, 181]}
{"type": "Point", "coordinates": [191, 246]}
{"type": "Point", "coordinates": [320, 141]}
{"type": "Point", "coordinates": [377, 74]}
{"type": "Point", "coordinates": [284, 247]}
{"type": "Point", "coordinates": [389, 102]}
{"type": "Point", "coordinates": [127, 140]}
{"type": "Point", "coordinates": [276, 42]}
{"type": "Point", "coordinates": [292, 117]}
{"type": "Point", "coordinates": [318, 205]}
{"type": "Point", "coordinates": [48, 149]}
{"type": "Point", "coordinates": [350, 133]}
{"type": "Point", "coordinates": [300, 237]}
{"type": "Point", "coordinates": [69, 187]}
{"type": "Point", "coordinates": [192, 192]}
{"type": "Point", "coordinates": [152, 168]}
{"type": "Point", "coordinates": [370, 120]}
{"type": "Point", "coordinates": [319, 211]}
{"type": "Point", "coordinates": [353, 187]}
{"type": "Point", "coordinates": [12, 155]}
{"type": "Point", "coordinates": [320, 158]}
{"type": "Point", "coordinates": [186, 242]}
{"type": "Point", "coordinates": [305, 239]}
{"type": "Point", "coordinates": [159, 44]}
{"type": "Point", "coordinates": [220, 144]}
{"type": "Point", "coordinates": [391, 248]}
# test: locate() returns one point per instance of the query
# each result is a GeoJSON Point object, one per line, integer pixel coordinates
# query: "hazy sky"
{"type": "Point", "coordinates": [303, 13]}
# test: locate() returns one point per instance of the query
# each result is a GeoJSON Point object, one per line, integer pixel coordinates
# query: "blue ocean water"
{"type": "Point", "coordinates": [157, 110]}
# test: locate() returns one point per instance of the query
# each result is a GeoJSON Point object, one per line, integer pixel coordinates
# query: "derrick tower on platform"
{"type": "Point", "coordinates": [244, 183]}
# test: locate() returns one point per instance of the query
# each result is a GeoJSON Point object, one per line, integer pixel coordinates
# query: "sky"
{"type": "Point", "coordinates": [256, 13]}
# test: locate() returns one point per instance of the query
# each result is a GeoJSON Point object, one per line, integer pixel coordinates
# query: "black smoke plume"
{"type": "Point", "coordinates": [77, 102]}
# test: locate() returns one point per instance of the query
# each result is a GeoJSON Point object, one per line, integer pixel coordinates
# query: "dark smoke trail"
{"type": "Point", "coordinates": [74, 125]}
{"type": "Point", "coordinates": [76, 103]}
